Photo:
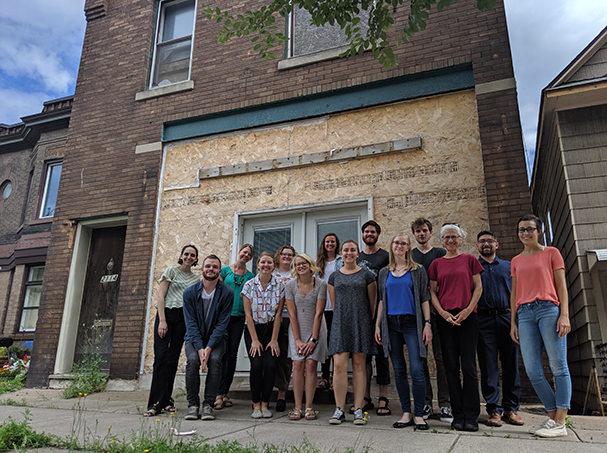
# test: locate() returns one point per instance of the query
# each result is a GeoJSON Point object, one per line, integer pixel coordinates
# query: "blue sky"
{"type": "Point", "coordinates": [41, 40]}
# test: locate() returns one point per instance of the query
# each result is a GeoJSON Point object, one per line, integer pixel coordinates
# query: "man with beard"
{"type": "Point", "coordinates": [207, 306]}
{"type": "Point", "coordinates": [494, 335]}
{"type": "Point", "coordinates": [374, 258]}
{"type": "Point", "coordinates": [424, 254]}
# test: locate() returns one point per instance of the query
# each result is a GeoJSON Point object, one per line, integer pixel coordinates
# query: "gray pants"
{"type": "Point", "coordinates": [192, 375]}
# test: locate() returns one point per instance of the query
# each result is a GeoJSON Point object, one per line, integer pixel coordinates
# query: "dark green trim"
{"type": "Point", "coordinates": [454, 78]}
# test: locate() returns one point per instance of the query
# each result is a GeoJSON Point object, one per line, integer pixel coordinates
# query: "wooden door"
{"type": "Point", "coordinates": [100, 294]}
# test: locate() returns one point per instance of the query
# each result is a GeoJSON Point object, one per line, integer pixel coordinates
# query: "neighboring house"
{"type": "Point", "coordinates": [31, 155]}
{"type": "Point", "coordinates": [176, 139]}
{"type": "Point", "coordinates": [569, 192]}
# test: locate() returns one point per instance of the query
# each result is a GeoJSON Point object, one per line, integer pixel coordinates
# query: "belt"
{"type": "Point", "coordinates": [402, 316]}
{"type": "Point", "coordinates": [497, 311]}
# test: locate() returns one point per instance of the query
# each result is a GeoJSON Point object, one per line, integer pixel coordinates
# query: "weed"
{"type": "Point", "coordinates": [488, 434]}
{"type": "Point", "coordinates": [11, 402]}
{"type": "Point", "coordinates": [88, 377]}
{"type": "Point", "coordinates": [568, 422]}
{"type": "Point", "coordinates": [15, 436]}
{"type": "Point", "coordinates": [507, 436]}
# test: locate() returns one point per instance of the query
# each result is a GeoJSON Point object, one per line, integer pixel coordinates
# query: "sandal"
{"type": "Point", "coordinates": [367, 407]}
{"type": "Point", "coordinates": [295, 414]}
{"type": "Point", "coordinates": [323, 385]}
{"type": "Point", "coordinates": [219, 402]}
{"type": "Point", "coordinates": [170, 409]}
{"type": "Point", "coordinates": [385, 409]}
{"type": "Point", "coordinates": [227, 402]}
{"type": "Point", "coordinates": [311, 414]}
{"type": "Point", "coordinates": [152, 412]}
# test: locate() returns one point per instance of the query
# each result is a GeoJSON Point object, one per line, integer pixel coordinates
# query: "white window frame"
{"type": "Point", "coordinates": [45, 194]}
{"type": "Point", "coordinates": [162, 4]}
{"type": "Point", "coordinates": [30, 284]}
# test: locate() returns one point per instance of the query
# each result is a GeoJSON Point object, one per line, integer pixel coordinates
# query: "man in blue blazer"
{"type": "Point", "coordinates": [207, 306]}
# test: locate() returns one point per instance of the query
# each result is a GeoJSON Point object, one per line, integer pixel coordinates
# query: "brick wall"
{"type": "Point", "coordinates": [102, 175]}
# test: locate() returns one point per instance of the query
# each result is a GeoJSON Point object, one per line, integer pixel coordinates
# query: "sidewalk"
{"type": "Point", "coordinates": [120, 412]}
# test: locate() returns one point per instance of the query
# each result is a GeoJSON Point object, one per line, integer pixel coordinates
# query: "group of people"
{"type": "Point", "coordinates": [352, 304]}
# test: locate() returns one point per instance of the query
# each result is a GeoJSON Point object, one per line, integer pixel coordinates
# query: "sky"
{"type": "Point", "coordinates": [41, 41]}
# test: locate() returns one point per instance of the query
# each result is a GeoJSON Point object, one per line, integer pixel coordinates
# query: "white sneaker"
{"type": "Point", "coordinates": [266, 413]}
{"type": "Point", "coordinates": [534, 429]}
{"type": "Point", "coordinates": [257, 413]}
{"type": "Point", "coordinates": [338, 417]}
{"type": "Point", "coordinates": [445, 415]}
{"type": "Point", "coordinates": [359, 417]}
{"type": "Point", "coordinates": [427, 411]}
{"type": "Point", "coordinates": [551, 429]}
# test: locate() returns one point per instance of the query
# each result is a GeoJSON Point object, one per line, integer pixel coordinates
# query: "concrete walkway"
{"type": "Point", "coordinates": [119, 413]}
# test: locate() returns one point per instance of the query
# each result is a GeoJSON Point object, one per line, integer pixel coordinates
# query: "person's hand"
{"type": "Point", "coordinates": [461, 317]}
{"type": "Point", "coordinates": [427, 334]}
{"type": "Point", "coordinates": [447, 317]}
{"type": "Point", "coordinates": [299, 346]}
{"type": "Point", "coordinates": [256, 348]}
{"type": "Point", "coordinates": [163, 328]}
{"type": "Point", "coordinates": [273, 346]}
{"type": "Point", "coordinates": [514, 333]}
{"type": "Point", "coordinates": [307, 348]}
{"type": "Point", "coordinates": [202, 354]}
{"type": "Point", "coordinates": [377, 334]}
{"type": "Point", "coordinates": [563, 326]}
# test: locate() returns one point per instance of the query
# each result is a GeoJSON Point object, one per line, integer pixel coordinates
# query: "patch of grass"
{"type": "Point", "coordinates": [11, 402]}
{"type": "Point", "coordinates": [568, 422]}
{"type": "Point", "coordinates": [10, 385]}
{"type": "Point", "coordinates": [19, 436]}
{"type": "Point", "coordinates": [87, 377]}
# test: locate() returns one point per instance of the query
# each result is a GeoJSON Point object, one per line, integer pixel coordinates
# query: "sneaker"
{"type": "Point", "coordinates": [257, 413]}
{"type": "Point", "coordinates": [359, 417]}
{"type": "Point", "coordinates": [551, 429]}
{"type": "Point", "coordinates": [207, 413]}
{"type": "Point", "coordinates": [534, 429]}
{"type": "Point", "coordinates": [265, 413]}
{"type": "Point", "coordinates": [338, 417]}
{"type": "Point", "coordinates": [192, 413]}
{"type": "Point", "coordinates": [427, 411]}
{"type": "Point", "coordinates": [445, 415]}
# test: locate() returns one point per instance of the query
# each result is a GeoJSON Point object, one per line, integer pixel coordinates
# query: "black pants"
{"type": "Point", "coordinates": [326, 366]}
{"type": "Point", "coordinates": [284, 368]}
{"type": "Point", "coordinates": [166, 358]}
{"type": "Point", "coordinates": [459, 345]}
{"type": "Point", "coordinates": [493, 340]}
{"type": "Point", "coordinates": [235, 327]}
{"type": "Point", "coordinates": [263, 368]}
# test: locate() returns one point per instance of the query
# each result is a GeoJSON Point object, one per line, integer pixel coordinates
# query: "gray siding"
{"type": "Point", "coordinates": [594, 68]}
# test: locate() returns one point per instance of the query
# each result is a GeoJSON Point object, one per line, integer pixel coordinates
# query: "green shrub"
{"type": "Point", "coordinates": [19, 436]}
{"type": "Point", "coordinates": [88, 377]}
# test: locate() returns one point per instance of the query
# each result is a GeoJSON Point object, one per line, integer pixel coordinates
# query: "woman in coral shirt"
{"type": "Point", "coordinates": [539, 299]}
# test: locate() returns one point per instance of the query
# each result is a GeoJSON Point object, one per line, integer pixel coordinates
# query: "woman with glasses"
{"type": "Point", "coordinates": [235, 276]}
{"type": "Point", "coordinates": [540, 301]}
{"type": "Point", "coordinates": [282, 261]}
{"type": "Point", "coordinates": [403, 317]}
{"type": "Point", "coordinates": [353, 293]}
{"type": "Point", "coordinates": [169, 330]}
{"type": "Point", "coordinates": [327, 262]}
{"type": "Point", "coordinates": [305, 300]}
{"type": "Point", "coordinates": [263, 298]}
{"type": "Point", "coordinates": [455, 288]}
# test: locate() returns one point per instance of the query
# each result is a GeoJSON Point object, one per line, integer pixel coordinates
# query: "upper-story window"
{"type": "Point", "coordinates": [306, 38]}
{"type": "Point", "coordinates": [51, 187]}
{"type": "Point", "coordinates": [173, 45]}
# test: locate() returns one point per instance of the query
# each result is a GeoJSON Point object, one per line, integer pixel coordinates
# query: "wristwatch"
{"type": "Point", "coordinates": [428, 321]}
{"type": "Point", "coordinates": [313, 340]}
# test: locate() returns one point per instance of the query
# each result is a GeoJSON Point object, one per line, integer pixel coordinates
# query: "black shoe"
{"type": "Point", "coordinates": [457, 425]}
{"type": "Point", "coordinates": [469, 426]}
{"type": "Point", "coordinates": [422, 426]}
{"type": "Point", "coordinates": [403, 425]}
{"type": "Point", "coordinates": [281, 405]}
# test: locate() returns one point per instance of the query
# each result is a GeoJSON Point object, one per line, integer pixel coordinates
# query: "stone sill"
{"type": "Point", "coordinates": [302, 60]}
{"type": "Point", "coordinates": [163, 91]}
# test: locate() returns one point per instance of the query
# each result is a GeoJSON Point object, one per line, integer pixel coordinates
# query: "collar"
{"type": "Point", "coordinates": [483, 261]}
{"type": "Point", "coordinates": [271, 284]}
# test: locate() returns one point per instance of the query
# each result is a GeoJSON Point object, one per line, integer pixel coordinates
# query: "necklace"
{"type": "Point", "coordinates": [236, 282]}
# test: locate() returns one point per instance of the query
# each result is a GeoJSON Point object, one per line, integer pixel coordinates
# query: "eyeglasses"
{"type": "Point", "coordinates": [527, 230]}
{"type": "Point", "coordinates": [451, 238]}
{"type": "Point", "coordinates": [400, 244]}
{"type": "Point", "coordinates": [304, 264]}
{"type": "Point", "coordinates": [487, 241]}
{"type": "Point", "coordinates": [287, 255]}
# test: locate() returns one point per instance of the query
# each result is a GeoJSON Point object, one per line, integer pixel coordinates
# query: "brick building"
{"type": "Point", "coordinates": [31, 154]}
{"type": "Point", "coordinates": [177, 139]}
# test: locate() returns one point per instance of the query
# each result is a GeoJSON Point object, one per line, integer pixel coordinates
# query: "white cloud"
{"type": "Point", "coordinates": [13, 102]}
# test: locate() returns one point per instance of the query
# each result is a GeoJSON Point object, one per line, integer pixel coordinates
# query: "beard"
{"type": "Point", "coordinates": [486, 251]}
{"type": "Point", "coordinates": [370, 240]}
{"type": "Point", "coordinates": [210, 277]}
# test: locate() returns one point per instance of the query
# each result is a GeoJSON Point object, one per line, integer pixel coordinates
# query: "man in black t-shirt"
{"type": "Point", "coordinates": [374, 258]}
{"type": "Point", "coordinates": [424, 254]}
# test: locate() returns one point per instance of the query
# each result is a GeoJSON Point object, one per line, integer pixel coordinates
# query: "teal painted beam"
{"type": "Point", "coordinates": [454, 78]}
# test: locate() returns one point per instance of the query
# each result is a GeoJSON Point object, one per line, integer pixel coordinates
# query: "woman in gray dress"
{"type": "Point", "coordinates": [305, 297]}
{"type": "Point", "coordinates": [353, 293]}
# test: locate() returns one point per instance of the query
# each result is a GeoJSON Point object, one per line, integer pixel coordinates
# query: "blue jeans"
{"type": "Point", "coordinates": [403, 330]}
{"type": "Point", "coordinates": [536, 328]}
